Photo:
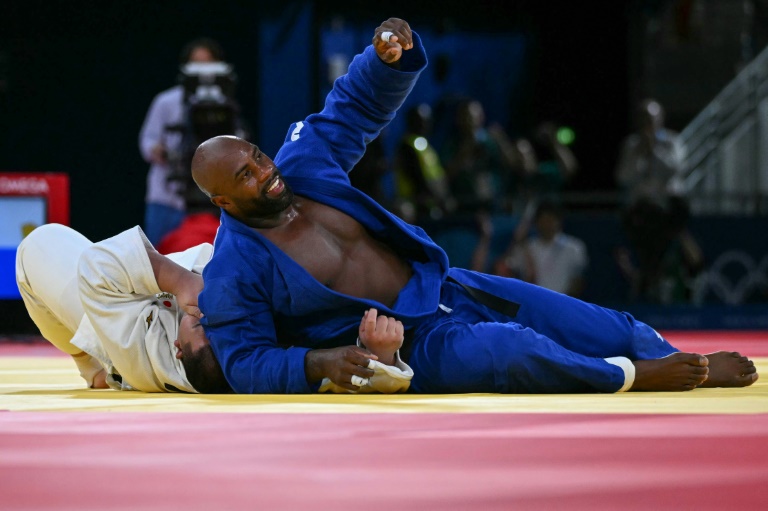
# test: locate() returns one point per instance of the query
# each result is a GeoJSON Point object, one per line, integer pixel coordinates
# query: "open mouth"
{"type": "Point", "coordinates": [275, 188]}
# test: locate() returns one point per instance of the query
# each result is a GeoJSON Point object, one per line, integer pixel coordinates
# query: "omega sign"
{"type": "Point", "coordinates": [53, 186]}
{"type": "Point", "coordinates": [23, 185]}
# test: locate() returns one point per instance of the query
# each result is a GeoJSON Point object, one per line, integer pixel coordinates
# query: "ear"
{"type": "Point", "coordinates": [220, 201]}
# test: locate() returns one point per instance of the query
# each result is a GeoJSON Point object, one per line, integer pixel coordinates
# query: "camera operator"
{"type": "Point", "coordinates": [202, 105]}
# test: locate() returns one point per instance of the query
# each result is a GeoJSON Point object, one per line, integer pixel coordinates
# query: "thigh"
{"type": "Point", "coordinates": [585, 327]}
{"type": "Point", "coordinates": [458, 357]}
{"type": "Point", "coordinates": [46, 272]}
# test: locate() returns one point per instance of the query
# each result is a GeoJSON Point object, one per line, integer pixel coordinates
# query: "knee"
{"type": "Point", "coordinates": [40, 239]}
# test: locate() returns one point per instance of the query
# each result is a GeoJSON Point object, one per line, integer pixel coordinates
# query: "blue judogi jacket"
{"type": "Point", "coordinates": [255, 294]}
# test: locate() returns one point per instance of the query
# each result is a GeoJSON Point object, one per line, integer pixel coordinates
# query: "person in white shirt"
{"type": "Point", "coordinates": [650, 165]}
{"type": "Point", "coordinates": [159, 137]}
{"type": "Point", "coordinates": [551, 259]}
{"type": "Point", "coordinates": [128, 315]}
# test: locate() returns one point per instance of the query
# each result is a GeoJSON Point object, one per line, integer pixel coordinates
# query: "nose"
{"type": "Point", "coordinates": [265, 172]}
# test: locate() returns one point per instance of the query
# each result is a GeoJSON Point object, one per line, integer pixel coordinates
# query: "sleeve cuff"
{"type": "Point", "coordinates": [628, 367]}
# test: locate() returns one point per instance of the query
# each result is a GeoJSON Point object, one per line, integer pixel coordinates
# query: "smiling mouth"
{"type": "Point", "coordinates": [275, 187]}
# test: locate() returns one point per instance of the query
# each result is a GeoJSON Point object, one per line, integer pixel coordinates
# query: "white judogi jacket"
{"type": "Point", "coordinates": [130, 325]}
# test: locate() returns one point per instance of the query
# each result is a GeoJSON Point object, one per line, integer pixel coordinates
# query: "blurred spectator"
{"type": "Point", "coordinates": [667, 259]}
{"type": "Point", "coordinates": [555, 166]}
{"type": "Point", "coordinates": [480, 162]}
{"type": "Point", "coordinates": [420, 180]}
{"type": "Point", "coordinates": [201, 106]}
{"type": "Point", "coordinates": [551, 258]}
{"type": "Point", "coordinates": [664, 255]}
{"type": "Point", "coordinates": [651, 159]}
{"type": "Point", "coordinates": [165, 201]}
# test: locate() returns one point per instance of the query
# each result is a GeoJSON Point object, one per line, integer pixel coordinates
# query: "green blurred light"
{"type": "Point", "coordinates": [566, 135]}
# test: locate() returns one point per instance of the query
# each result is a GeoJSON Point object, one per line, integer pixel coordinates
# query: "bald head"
{"type": "Point", "coordinates": [214, 159]}
{"type": "Point", "coordinates": [241, 180]}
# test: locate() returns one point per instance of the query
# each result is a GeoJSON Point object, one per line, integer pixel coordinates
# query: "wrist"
{"type": "Point", "coordinates": [312, 367]}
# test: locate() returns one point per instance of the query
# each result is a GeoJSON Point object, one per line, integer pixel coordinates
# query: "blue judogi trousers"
{"type": "Point", "coordinates": [555, 344]}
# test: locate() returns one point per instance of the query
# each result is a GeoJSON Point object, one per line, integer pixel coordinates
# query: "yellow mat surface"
{"type": "Point", "coordinates": [52, 384]}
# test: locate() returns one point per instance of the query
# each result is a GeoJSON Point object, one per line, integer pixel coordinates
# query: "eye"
{"type": "Point", "coordinates": [247, 174]}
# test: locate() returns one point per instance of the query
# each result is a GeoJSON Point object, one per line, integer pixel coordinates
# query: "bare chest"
{"type": "Point", "coordinates": [340, 253]}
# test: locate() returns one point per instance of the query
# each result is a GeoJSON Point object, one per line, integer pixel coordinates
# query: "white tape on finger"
{"type": "Point", "coordinates": [357, 381]}
{"type": "Point", "coordinates": [386, 35]}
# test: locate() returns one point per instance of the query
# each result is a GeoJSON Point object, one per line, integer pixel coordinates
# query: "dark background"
{"type": "Point", "coordinates": [79, 77]}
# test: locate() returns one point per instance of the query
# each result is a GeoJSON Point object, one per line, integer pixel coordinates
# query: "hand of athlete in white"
{"type": "Point", "coordinates": [382, 335]}
{"type": "Point", "coordinates": [400, 39]}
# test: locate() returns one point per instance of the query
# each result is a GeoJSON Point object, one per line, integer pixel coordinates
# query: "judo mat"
{"type": "Point", "coordinates": [64, 447]}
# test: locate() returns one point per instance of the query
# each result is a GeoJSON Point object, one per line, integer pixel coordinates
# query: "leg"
{"type": "Point", "coordinates": [46, 273]}
{"type": "Point", "coordinates": [580, 326]}
{"type": "Point", "coordinates": [506, 358]}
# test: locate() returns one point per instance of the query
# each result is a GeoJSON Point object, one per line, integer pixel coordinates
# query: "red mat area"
{"type": "Point", "coordinates": [753, 343]}
{"type": "Point", "coordinates": [136, 461]}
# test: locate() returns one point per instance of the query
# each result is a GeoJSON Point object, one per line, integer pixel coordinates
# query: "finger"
{"type": "Point", "coordinates": [347, 386]}
{"type": "Point", "coordinates": [358, 381]}
{"type": "Point", "coordinates": [361, 330]}
{"type": "Point", "coordinates": [362, 357]}
{"type": "Point", "coordinates": [391, 324]}
{"type": "Point", "coordinates": [358, 356]}
{"type": "Point", "coordinates": [381, 325]}
{"type": "Point", "coordinates": [363, 372]}
{"type": "Point", "coordinates": [401, 29]}
{"type": "Point", "coordinates": [400, 329]}
{"type": "Point", "coordinates": [371, 321]}
{"type": "Point", "coordinates": [348, 370]}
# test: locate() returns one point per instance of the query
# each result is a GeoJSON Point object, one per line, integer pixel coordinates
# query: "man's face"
{"type": "Point", "coordinates": [548, 225]}
{"type": "Point", "coordinates": [201, 54]}
{"type": "Point", "coordinates": [250, 182]}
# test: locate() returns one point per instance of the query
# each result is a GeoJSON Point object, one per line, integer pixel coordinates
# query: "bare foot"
{"type": "Point", "coordinates": [677, 372]}
{"type": "Point", "coordinates": [730, 369]}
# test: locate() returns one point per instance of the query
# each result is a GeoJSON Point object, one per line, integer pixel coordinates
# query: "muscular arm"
{"type": "Point", "coordinates": [361, 103]}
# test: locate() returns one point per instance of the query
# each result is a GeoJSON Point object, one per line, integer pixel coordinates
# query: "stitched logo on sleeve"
{"type": "Point", "coordinates": [295, 134]}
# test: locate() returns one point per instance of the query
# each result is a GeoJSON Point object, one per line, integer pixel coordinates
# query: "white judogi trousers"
{"type": "Point", "coordinates": [46, 272]}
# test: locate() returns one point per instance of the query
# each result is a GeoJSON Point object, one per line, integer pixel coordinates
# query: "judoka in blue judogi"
{"type": "Point", "coordinates": [288, 277]}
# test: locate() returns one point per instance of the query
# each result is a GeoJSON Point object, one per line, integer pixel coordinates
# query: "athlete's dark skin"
{"type": "Point", "coordinates": [338, 251]}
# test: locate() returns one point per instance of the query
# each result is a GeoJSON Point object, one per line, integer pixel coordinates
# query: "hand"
{"type": "Point", "coordinates": [382, 335]}
{"type": "Point", "coordinates": [338, 365]}
{"type": "Point", "coordinates": [158, 154]}
{"type": "Point", "coordinates": [100, 380]}
{"type": "Point", "coordinates": [401, 39]}
{"type": "Point", "coordinates": [187, 293]}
